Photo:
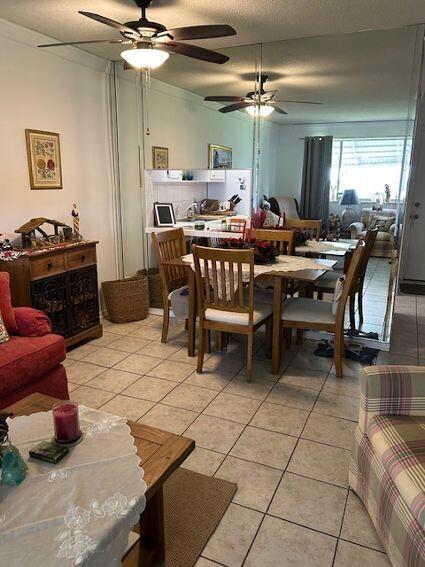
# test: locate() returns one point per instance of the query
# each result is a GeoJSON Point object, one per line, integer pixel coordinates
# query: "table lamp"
{"type": "Point", "coordinates": [349, 197]}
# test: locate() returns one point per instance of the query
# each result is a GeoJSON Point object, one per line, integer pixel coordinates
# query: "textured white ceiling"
{"type": "Point", "coordinates": [358, 77]}
{"type": "Point", "coordinates": [362, 76]}
{"type": "Point", "coordinates": [254, 20]}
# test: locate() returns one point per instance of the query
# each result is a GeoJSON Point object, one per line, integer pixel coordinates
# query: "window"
{"type": "Point", "coordinates": [367, 165]}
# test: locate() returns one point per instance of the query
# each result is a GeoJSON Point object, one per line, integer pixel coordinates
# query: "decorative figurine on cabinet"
{"type": "Point", "coordinates": [76, 222]}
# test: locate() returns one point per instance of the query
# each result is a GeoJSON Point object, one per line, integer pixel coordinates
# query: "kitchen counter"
{"type": "Point", "coordinates": [212, 229]}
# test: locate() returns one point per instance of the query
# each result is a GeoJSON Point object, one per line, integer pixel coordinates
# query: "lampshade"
{"type": "Point", "coordinates": [263, 110]}
{"type": "Point", "coordinates": [349, 197]}
{"type": "Point", "coordinates": [145, 57]}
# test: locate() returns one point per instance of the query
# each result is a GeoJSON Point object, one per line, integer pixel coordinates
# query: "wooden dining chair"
{"type": "Point", "coordinates": [313, 227]}
{"type": "Point", "coordinates": [282, 240]}
{"type": "Point", "coordinates": [327, 283]}
{"type": "Point", "coordinates": [224, 305]}
{"type": "Point", "coordinates": [168, 245]}
{"type": "Point", "coordinates": [314, 314]}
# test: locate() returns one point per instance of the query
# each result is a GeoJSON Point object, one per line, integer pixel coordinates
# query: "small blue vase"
{"type": "Point", "coordinates": [14, 468]}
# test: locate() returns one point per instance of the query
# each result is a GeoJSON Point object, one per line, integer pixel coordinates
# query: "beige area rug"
{"type": "Point", "coordinates": [193, 506]}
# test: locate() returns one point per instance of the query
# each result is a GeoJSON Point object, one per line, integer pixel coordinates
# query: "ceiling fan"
{"type": "Point", "coordinates": [151, 42]}
{"type": "Point", "coordinates": [261, 101]}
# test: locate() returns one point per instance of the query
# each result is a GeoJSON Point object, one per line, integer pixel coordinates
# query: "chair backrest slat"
{"type": "Point", "coordinates": [313, 227]}
{"type": "Point", "coordinates": [219, 279]}
{"type": "Point", "coordinates": [232, 284]}
{"type": "Point", "coordinates": [369, 239]}
{"type": "Point", "coordinates": [283, 240]}
{"type": "Point", "coordinates": [240, 286]}
{"type": "Point", "coordinates": [350, 281]}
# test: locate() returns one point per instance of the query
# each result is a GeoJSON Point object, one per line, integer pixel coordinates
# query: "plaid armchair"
{"type": "Point", "coordinates": [387, 468]}
{"type": "Point", "coordinates": [384, 242]}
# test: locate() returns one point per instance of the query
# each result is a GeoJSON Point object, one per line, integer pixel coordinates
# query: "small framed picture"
{"type": "Point", "coordinates": [164, 214]}
{"type": "Point", "coordinates": [44, 159]}
{"type": "Point", "coordinates": [159, 157]}
{"type": "Point", "coordinates": [219, 157]}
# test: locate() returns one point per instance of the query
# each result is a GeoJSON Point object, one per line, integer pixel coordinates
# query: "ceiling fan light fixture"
{"type": "Point", "coordinates": [263, 110]}
{"type": "Point", "coordinates": [145, 57]}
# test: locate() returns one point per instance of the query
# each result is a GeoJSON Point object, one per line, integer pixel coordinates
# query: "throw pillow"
{"type": "Point", "coordinates": [6, 304]}
{"type": "Point", "coordinates": [382, 223]}
{"type": "Point", "coordinates": [4, 335]}
{"type": "Point", "coordinates": [339, 286]}
{"type": "Point", "coordinates": [271, 220]}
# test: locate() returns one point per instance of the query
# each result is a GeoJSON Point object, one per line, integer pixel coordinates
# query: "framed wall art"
{"type": "Point", "coordinates": [159, 157]}
{"type": "Point", "coordinates": [164, 214]}
{"type": "Point", "coordinates": [44, 159]}
{"type": "Point", "coordinates": [219, 157]}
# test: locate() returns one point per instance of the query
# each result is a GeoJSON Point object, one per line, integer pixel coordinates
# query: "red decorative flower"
{"type": "Point", "coordinates": [51, 165]}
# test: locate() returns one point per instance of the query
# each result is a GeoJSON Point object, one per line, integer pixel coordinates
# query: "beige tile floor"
{"type": "Point", "coordinates": [284, 439]}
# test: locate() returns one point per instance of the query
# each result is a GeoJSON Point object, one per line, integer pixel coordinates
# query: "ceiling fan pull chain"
{"type": "Point", "coordinates": [147, 73]}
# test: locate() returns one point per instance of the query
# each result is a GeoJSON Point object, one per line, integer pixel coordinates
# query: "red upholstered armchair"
{"type": "Point", "coordinates": [31, 360]}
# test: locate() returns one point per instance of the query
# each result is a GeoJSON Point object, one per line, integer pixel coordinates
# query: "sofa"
{"type": "Point", "coordinates": [384, 243]}
{"type": "Point", "coordinates": [387, 467]}
{"type": "Point", "coordinates": [288, 206]}
{"type": "Point", "coordinates": [31, 360]}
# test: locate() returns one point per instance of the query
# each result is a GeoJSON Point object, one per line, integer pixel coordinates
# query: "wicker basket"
{"type": "Point", "coordinates": [126, 300]}
{"type": "Point", "coordinates": [155, 287]}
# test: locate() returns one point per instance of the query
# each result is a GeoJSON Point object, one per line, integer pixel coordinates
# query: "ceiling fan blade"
{"type": "Point", "coordinates": [225, 98]}
{"type": "Point", "coordinates": [193, 51]}
{"type": "Point", "coordinates": [112, 23]}
{"type": "Point", "coordinates": [238, 106]}
{"type": "Point", "coordinates": [121, 41]}
{"type": "Point", "coordinates": [279, 110]}
{"type": "Point", "coordinates": [299, 101]}
{"type": "Point", "coordinates": [198, 32]}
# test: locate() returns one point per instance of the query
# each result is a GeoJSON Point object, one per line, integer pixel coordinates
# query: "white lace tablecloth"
{"type": "Point", "coordinates": [282, 263]}
{"type": "Point", "coordinates": [80, 511]}
{"type": "Point", "coordinates": [322, 247]}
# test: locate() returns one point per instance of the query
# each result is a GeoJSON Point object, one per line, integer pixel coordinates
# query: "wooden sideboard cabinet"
{"type": "Point", "coordinates": [63, 283]}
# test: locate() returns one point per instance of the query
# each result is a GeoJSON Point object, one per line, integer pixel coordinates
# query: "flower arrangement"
{"type": "Point", "coordinates": [264, 252]}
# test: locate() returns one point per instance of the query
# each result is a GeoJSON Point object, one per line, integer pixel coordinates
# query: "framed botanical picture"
{"type": "Point", "coordinates": [44, 159]}
{"type": "Point", "coordinates": [159, 157]}
{"type": "Point", "coordinates": [219, 157]}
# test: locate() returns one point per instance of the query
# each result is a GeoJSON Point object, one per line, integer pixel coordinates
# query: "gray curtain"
{"type": "Point", "coordinates": [316, 178]}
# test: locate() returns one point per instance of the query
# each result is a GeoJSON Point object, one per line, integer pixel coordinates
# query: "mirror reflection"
{"type": "Point", "coordinates": [346, 160]}
{"type": "Point", "coordinates": [312, 129]}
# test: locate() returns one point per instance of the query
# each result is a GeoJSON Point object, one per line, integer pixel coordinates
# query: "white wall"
{"type": "Point", "coordinates": [66, 91]}
{"type": "Point", "coordinates": [290, 147]}
{"type": "Point", "coordinates": [131, 196]}
{"type": "Point", "coordinates": [186, 124]}
{"type": "Point", "coordinates": [183, 122]}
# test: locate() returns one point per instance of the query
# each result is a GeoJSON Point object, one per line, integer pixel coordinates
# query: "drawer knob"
{"type": "Point", "coordinates": [50, 265]}
{"type": "Point", "coordinates": [83, 258]}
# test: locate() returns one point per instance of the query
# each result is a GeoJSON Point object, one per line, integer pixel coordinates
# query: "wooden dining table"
{"type": "Point", "coordinates": [279, 277]}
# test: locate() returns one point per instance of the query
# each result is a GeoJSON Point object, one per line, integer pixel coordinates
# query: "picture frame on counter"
{"type": "Point", "coordinates": [159, 157]}
{"type": "Point", "coordinates": [164, 214]}
{"type": "Point", "coordinates": [219, 157]}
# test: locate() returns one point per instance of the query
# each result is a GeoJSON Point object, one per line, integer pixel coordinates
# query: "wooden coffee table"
{"type": "Point", "coordinates": [161, 453]}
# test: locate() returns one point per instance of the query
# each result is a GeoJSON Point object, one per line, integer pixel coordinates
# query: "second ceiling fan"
{"type": "Point", "coordinates": [151, 42]}
{"type": "Point", "coordinates": [262, 102]}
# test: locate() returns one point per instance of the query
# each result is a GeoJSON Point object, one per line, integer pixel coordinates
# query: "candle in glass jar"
{"type": "Point", "coordinates": [66, 422]}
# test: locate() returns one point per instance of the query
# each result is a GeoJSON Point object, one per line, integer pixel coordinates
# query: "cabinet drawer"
{"type": "Point", "coordinates": [81, 257]}
{"type": "Point", "coordinates": [47, 266]}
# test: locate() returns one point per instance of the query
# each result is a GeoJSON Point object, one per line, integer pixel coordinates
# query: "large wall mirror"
{"type": "Point", "coordinates": [333, 137]}
{"type": "Point", "coordinates": [349, 156]}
